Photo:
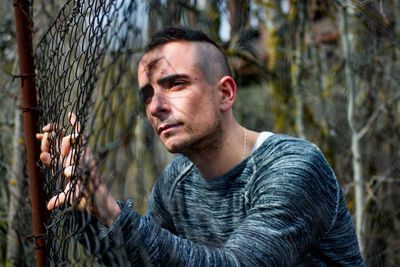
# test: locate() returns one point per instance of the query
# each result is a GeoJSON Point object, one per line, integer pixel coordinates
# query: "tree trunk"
{"type": "Point", "coordinates": [358, 177]}
{"type": "Point", "coordinates": [298, 44]}
{"type": "Point", "coordinates": [275, 41]}
{"type": "Point", "coordinates": [16, 186]}
{"type": "Point", "coordinates": [238, 15]}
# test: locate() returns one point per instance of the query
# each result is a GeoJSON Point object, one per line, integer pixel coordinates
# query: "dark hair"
{"type": "Point", "coordinates": [177, 33]}
{"type": "Point", "coordinates": [181, 33]}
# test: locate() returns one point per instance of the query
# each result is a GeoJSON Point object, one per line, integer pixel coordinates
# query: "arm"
{"type": "Point", "coordinates": [292, 202]}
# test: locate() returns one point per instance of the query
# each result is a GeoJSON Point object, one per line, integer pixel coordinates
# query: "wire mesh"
{"type": "Point", "coordinates": [86, 65]}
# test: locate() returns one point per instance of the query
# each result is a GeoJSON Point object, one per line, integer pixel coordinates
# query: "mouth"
{"type": "Point", "coordinates": [167, 127]}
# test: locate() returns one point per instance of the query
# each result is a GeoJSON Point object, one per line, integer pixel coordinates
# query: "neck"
{"type": "Point", "coordinates": [235, 145]}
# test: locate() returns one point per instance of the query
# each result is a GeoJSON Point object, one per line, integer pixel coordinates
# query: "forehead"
{"type": "Point", "coordinates": [173, 57]}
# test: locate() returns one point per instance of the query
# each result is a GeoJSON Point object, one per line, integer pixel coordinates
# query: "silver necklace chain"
{"type": "Point", "coordinates": [244, 143]}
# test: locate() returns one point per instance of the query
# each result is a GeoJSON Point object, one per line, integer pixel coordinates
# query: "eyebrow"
{"type": "Point", "coordinates": [172, 77]}
{"type": "Point", "coordinates": [164, 80]}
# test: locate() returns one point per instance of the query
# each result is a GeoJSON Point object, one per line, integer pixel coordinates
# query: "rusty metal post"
{"type": "Point", "coordinates": [24, 27]}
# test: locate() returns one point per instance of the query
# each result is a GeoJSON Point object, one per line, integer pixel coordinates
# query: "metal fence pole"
{"type": "Point", "coordinates": [24, 27]}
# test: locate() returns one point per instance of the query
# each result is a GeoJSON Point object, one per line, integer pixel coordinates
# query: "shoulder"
{"type": "Point", "coordinates": [286, 143]}
{"type": "Point", "coordinates": [293, 173]}
{"type": "Point", "coordinates": [288, 151]}
{"type": "Point", "coordinates": [293, 166]}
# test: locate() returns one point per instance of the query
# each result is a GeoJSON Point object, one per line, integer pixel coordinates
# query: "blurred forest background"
{"type": "Point", "coordinates": [327, 71]}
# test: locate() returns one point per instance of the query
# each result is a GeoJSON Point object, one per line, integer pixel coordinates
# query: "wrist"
{"type": "Point", "coordinates": [106, 209]}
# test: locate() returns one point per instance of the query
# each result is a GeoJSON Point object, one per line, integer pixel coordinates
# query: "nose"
{"type": "Point", "coordinates": [159, 105]}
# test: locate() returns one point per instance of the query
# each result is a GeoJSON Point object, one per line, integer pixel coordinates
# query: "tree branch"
{"type": "Point", "coordinates": [371, 120]}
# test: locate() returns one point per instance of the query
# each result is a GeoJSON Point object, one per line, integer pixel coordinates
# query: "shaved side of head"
{"type": "Point", "coordinates": [211, 62]}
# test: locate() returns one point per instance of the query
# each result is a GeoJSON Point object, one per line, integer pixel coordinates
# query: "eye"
{"type": "Point", "coordinates": [146, 94]}
{"type": "Point", "coordinates": [176, 83]}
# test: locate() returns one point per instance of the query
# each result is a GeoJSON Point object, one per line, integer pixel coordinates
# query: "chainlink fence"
{"type": "Point", "coordinates": [86, 65]}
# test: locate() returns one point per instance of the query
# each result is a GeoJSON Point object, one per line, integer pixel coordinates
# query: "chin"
{"type": "Point", "coordinates": [175, 147]}
{"type": "Point", "coordinates": [170, 145]}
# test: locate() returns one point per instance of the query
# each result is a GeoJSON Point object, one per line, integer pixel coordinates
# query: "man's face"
{"type": "Point", "coordinates": [180, 105]}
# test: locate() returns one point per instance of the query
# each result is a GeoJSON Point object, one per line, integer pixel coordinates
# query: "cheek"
{"type": "Point", "coordinates": [152, 120]}
{"type": "Point", "coordinates": [205, 116]}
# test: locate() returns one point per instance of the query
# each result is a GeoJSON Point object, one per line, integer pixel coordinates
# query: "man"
{"type": "Point", "coordinates": [234, 197]}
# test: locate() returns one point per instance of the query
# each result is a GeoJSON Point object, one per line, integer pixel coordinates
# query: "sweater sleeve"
{"type": "Point", "coordinates": [292, 201]}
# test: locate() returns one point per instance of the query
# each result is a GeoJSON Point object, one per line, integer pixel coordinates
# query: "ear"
{"type": "Point", "coordinates": [227, 92]}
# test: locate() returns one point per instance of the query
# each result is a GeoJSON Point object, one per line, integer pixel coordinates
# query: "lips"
{"type": "Point", "coordinates": [166, 127]}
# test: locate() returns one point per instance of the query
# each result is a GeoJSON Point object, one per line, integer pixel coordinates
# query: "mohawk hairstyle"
{"type": "Point", "coordinates": [177, 33]}
{"type": "Point", "coordinates": [181, 33]}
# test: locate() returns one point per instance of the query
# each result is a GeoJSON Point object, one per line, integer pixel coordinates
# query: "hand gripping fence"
{"type": "Point", "coordinates": [86, 64]}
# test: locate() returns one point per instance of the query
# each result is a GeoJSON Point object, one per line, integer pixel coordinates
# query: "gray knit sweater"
{"type": "Point", "coordinates": [282, 206]}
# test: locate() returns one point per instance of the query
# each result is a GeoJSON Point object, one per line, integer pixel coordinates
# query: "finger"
{"type": "Point", "coordinates": [45, 158]}
{"type": "Point", "coordinates": [52, 134]}
{"type": "Point", "coordinates": [39, 136]}
{"type": "Point", "coordinates": [74, 122]}
{"type": "Point", "coordinates": [67, 196]}
{"type": "Point", "coordinates": [61, 198]}
{"type": "Point", "coordinates": [47, 128]}
{"type": "Point", "coordinates": [50, 127]}
{"type": "Point", "coordinates": [57, 137]}
{"type": "Point", "coordinates": [69, 171]}
{"type": "Point", "coordinates": [66, 143]}
{"type": "Point", "coordinates": [45, 138]}
{"type": "Point", "coordinates": [56, 201]}
{"type": "Point", "coordinates": [71, 158]}
{"type": "Point", "coordinates": [45, 143]}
